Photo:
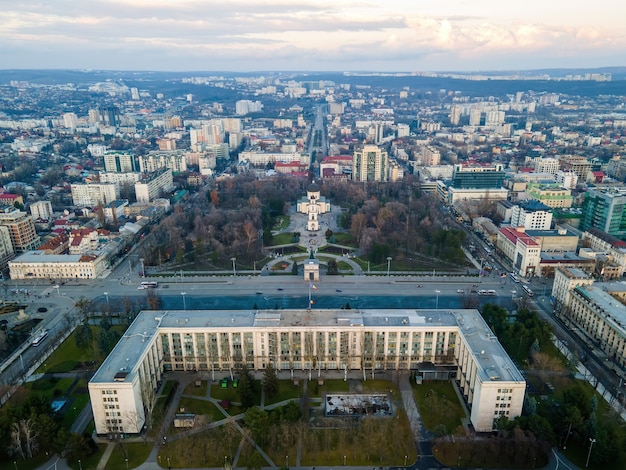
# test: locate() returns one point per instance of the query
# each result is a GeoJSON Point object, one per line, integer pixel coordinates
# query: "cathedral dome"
{"type": "Point", "coordinates": [313, 188]}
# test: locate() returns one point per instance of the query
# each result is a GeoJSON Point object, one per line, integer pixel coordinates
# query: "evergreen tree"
{"type": "Point", "coordinates": [270, 381]}
{"type": "Point", "coordinates": [246, 389]}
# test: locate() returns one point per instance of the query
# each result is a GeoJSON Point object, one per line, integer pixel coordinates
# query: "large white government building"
{"type": "Point", "coordinates": [455, 344]}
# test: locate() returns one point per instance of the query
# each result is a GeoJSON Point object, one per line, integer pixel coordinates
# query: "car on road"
{"type": "Point", "coordinates": [460, 291]}
{"type": "Point", "coordinates": [280, 288]}
{"type": "Point", "coordinates": [419, 285]}
{"type": "Point", "coordinates": [259, 292]}
{"type": "Point", "coordinates": [337, 290]}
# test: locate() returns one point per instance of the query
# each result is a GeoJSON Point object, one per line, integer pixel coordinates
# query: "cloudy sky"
{"type": "Point", "coordinates": [316, 35]}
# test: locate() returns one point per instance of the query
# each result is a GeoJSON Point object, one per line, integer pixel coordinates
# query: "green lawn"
{"type": "Point", "coordinates": [196, 391]}
{"type": "Point", "coordinates": [335, 385]}
{"type": "Point", "coordinates": [343, 266]}
{"type": "Point", "coordinates": [344, 239]}
{"type": "Point", "coordinates": [50, 387]}
{"type": "Point", "coordinates": [232, 394]}
{"type": "Point", "coordinates": [282, 238]}
{"type": "Point", "coordinates": [286, 391]}
{"type": "Point", "coordinates": [439, 406]}
{"type": "Point", "coordinates": [200, 407]}
{"type": "Point", "coordinates": [137, 454]}
{"type": "Point", "coordinates": [67, 356]}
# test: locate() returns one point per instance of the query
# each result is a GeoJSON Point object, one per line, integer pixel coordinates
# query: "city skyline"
{"type": "Point", "coordinates": [347, 35]}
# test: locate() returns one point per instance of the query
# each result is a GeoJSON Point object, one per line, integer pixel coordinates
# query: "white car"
{"type": "Point", "coordinates": [460, 291]}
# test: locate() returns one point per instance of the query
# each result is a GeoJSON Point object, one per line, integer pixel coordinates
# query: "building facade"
{"type": "Point", "coordinates": [603, 208]}
{"type": "Point", "coordinates": [158, 160]}
{"type": "Point", "coordinates": [370, 163]}
{"type": "Point", "coordinates": [41, 210]}
{"type": "Point", "coordinates": [521, 249]}
{"type": "Point", "coordinates": [154, 186]}
{"type": "Point", "coordinates": [477, 176]}
{"type": "Point", "coordinates": [21, 229]}
{"type": "Point", "coordinates": [552, 195]}
{"type": "Point", "coordinates": [310, 342]}
{"type": "Point", "coordinates": [532, 215]}
{"type": "Point", "coordinates": [94, 194]}
{"type": "Point", "coordinates": [116, 161]}
{"type": "Point", "coordinates": [38, 265]}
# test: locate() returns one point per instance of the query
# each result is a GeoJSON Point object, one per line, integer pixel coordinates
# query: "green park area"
{"type": "Point", "coordinates": [281, 430]}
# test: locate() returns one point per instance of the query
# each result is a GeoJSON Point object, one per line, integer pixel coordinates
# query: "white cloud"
{"type": "Point", "coordinates": [258, 34]}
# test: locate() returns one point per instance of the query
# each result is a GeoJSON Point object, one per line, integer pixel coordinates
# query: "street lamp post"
{"type": "Point", "coordinates": [143, 269]}
{"type": "Point", "coordinates": [80, 465]}
{"type": "Point", "coordinates": [126, 464]}
{"type": "Point", "coordinates": [57, 288]}
{"type": "Point", "coordinates": [437, 291]}
{"type": "Point", "coordinates": [233, 259]}
{"type": "Point", "coordinates": [591, 441]}
{"type": "Point", "coordinates": [107, 296]}
{"type": "Point", "coordinates": [184, 301]}
{"type": "Point", "coordinates": [388, 264]}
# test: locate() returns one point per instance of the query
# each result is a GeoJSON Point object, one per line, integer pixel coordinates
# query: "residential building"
{"type": "Point", "coordinates": [543, 165]}
{"type": "Point", "coordinates": [154, 186]}
{"type": "Point", "coordinates": [10, 199]}
{"type": "Point", "coordinates": [119, 161]}
{"type": "Point", "coordinates": [120, 179]}
{"type": "Point", "coordinates": [552, 195]}
{"type": "Point", "coordinates": [93, 194]}
{"type": "Point", "coordinates": [609, 251]}
{"type": "Point", "coordinates": [430, 156]}
{"type": "Point", "coordinates": [532, 215]}
{"type": "Point", "coordinates": [87, 240]}
{"type": "Point", "coordinates": [6, 247]}
{"type": "Point", "coordinates": [603, 208]}
{"type": "Point", "coordinates": [56, 245]}
{"type": "Point", "coordinates": [21, 229]}
{"type": "Point", "coordinates": [566, 179]}
{"type": "Point", "coordinates": [575, 164]}
{"type": "Point", "coordinates": [459, 341]}
{"type": "Point", "coordinates": [158, 160]}
{"type": "Point", "coordinates": [41, 210]}
{"type": "Point", "coordinates": [370, 163]}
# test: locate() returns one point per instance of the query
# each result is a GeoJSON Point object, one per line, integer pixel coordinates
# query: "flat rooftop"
{"type": "Point", "coordinates": [492, 358]}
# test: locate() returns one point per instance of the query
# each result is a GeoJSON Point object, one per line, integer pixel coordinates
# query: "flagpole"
{"type": "Point", "coordinates": [309, 295]}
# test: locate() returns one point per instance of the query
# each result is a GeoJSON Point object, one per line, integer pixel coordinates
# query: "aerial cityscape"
{"type": "Point", "coordinates": [310, 235]}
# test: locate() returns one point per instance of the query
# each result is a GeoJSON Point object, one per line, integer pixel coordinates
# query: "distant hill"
{"type": "Point", "coordinates": [170, 81]}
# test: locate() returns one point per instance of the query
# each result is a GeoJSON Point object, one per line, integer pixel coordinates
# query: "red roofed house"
{"type": "Point", "coordinates": [522, 250]}
{"type": "Point", "coordinates": [83, 240]}
{"type": "Point", "coordinates": [8, 199]}
{"type": "Point", "coordinates": [56, 245]}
